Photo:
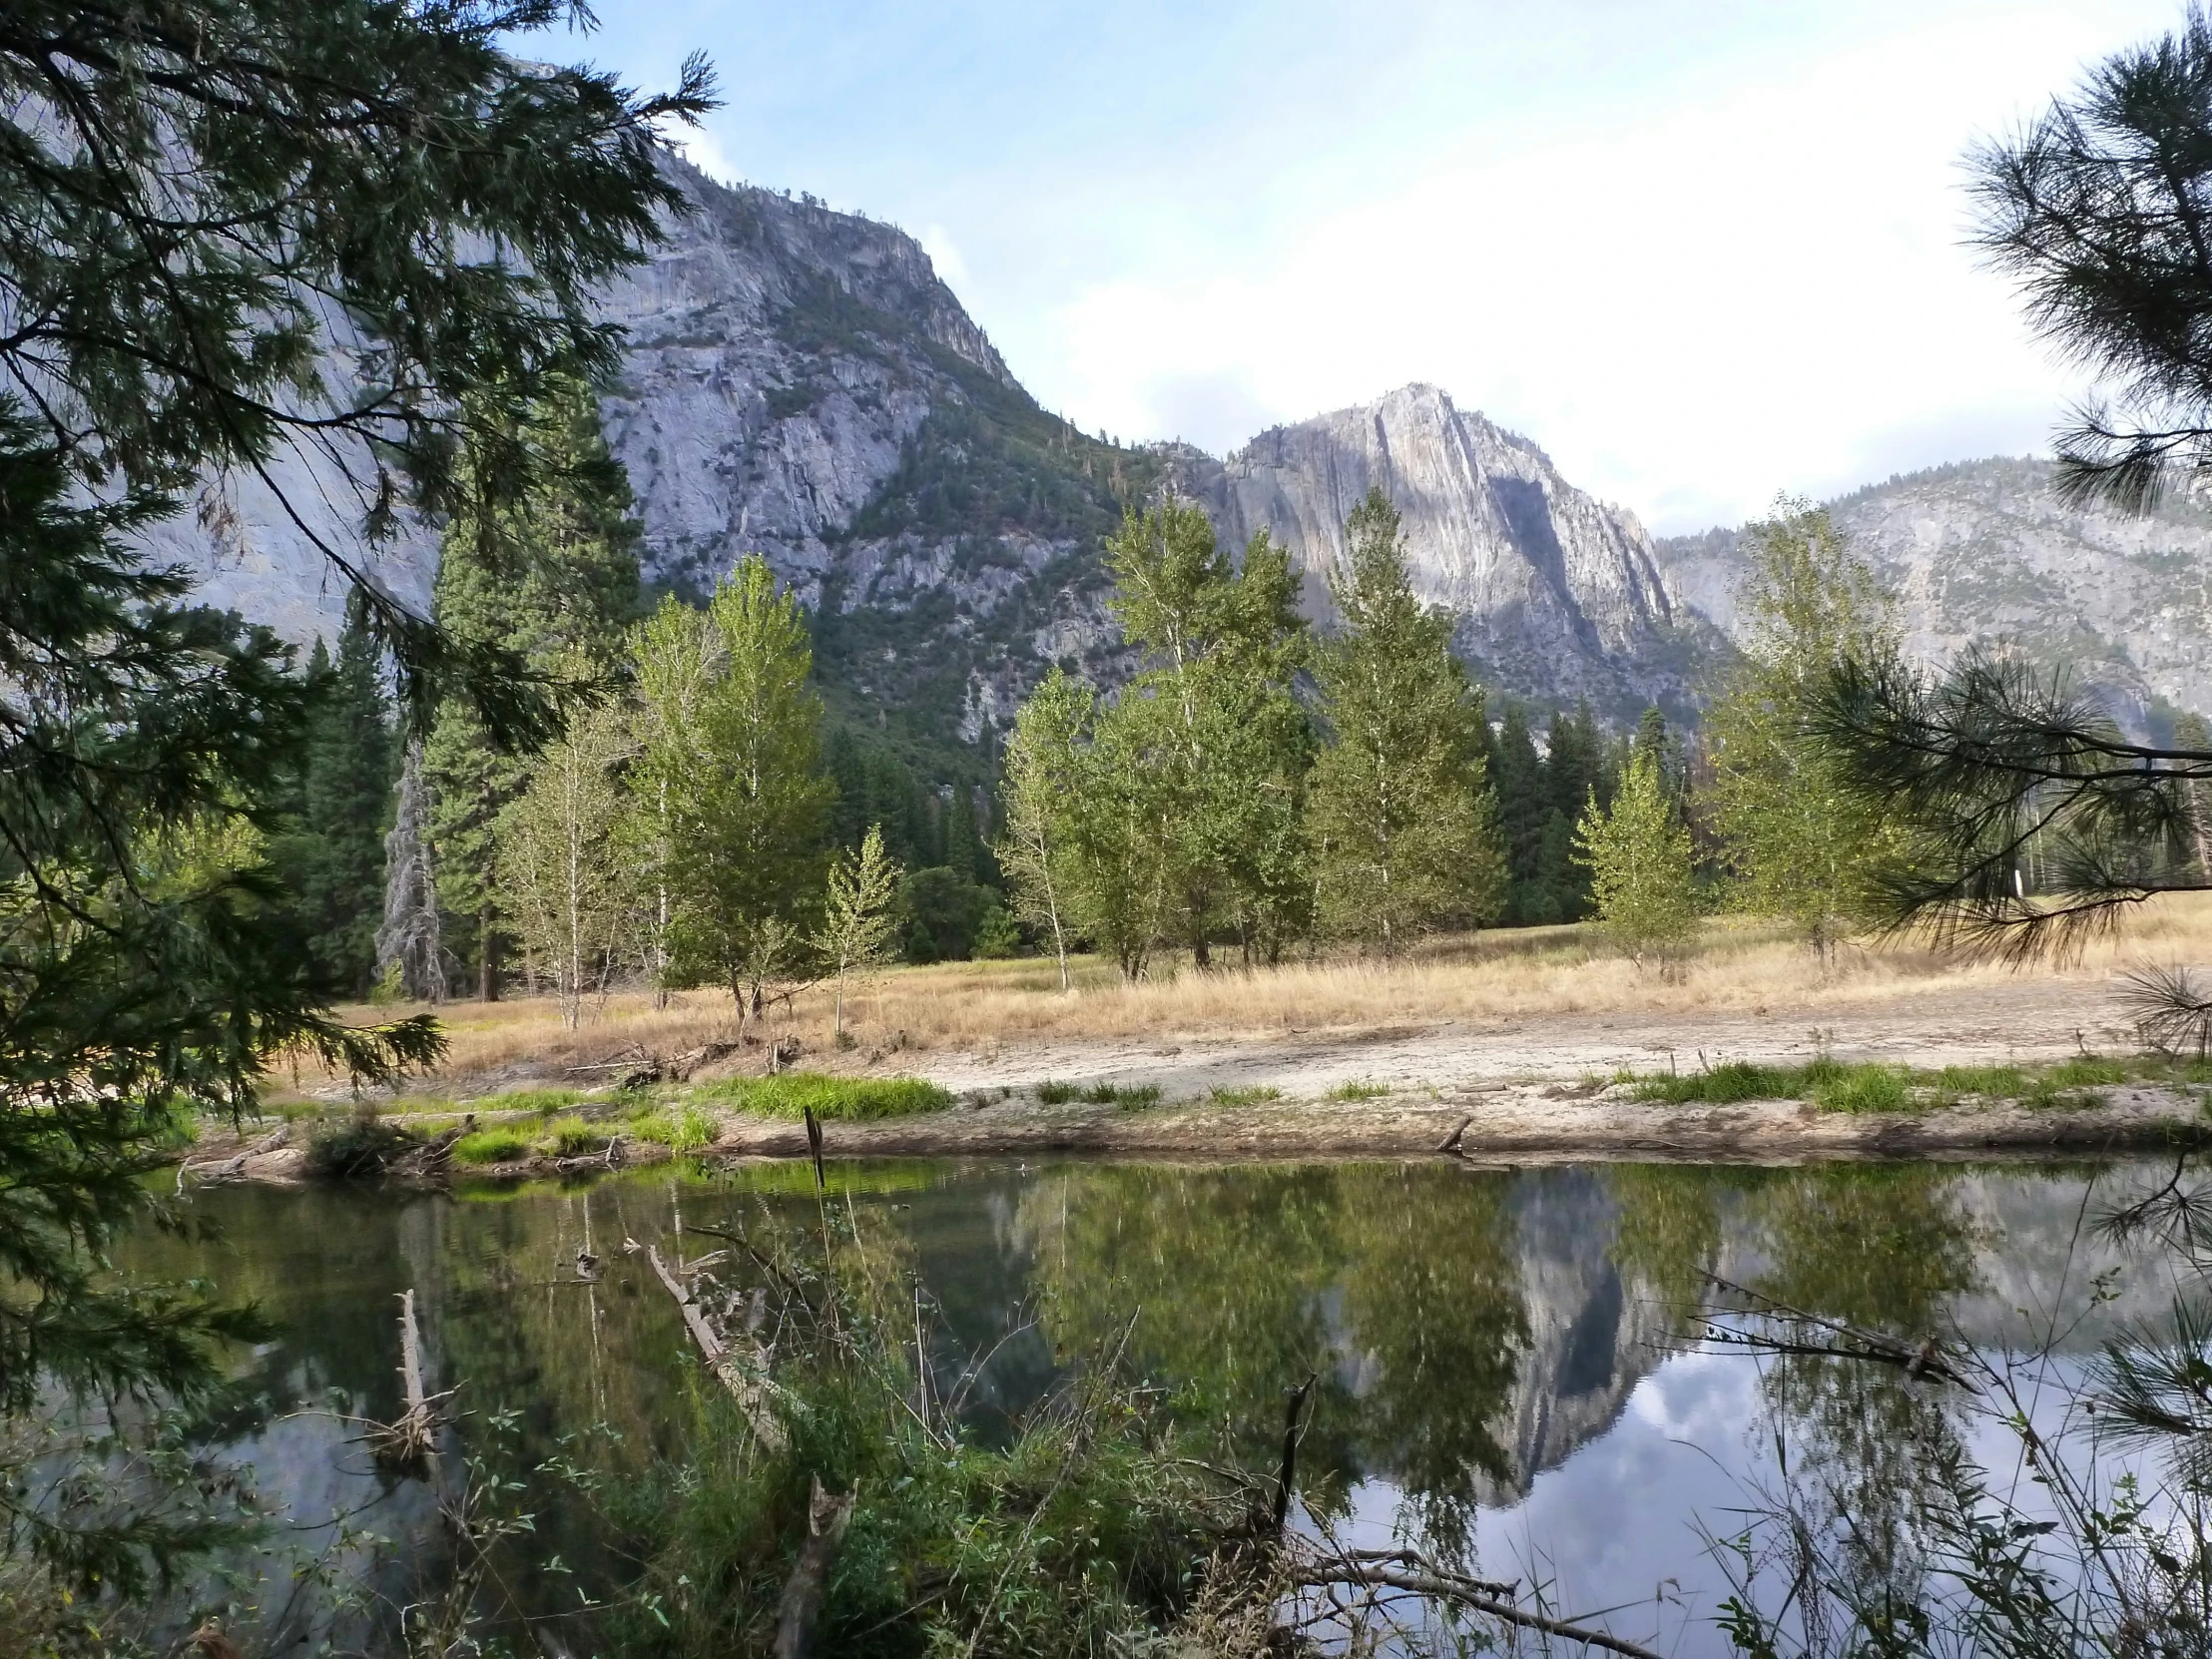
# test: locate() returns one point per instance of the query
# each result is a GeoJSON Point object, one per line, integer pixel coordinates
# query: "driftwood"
{"type": "Point", "coordinates": [1471, 1593]}
{"type": "Point", "coordinates": [782, 1053]}
{"type": "Point", "coordinates": [745, 1387]}
{"type": "Point", "coordinates": [814, 1148]}
{"type": "Point", "coordinates": [1451, 1143]}
{"type": "Point", "coordinates": [641, 1066]}
{"type": "Point", "coordinates": [800, 1608]}
{"type": "Point", "coordinates": [431, 1157]}
{"type": "Point", "coordinates": [231, 1168]}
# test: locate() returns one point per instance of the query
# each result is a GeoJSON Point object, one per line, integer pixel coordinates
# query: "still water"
{"type": "Point", "coordinates": [1505, 1359]}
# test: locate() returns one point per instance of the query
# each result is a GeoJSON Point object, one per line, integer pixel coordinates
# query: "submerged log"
{"type": "Point", "coordinates": [800, 1608]}
{"type": "Point", "coordinates": [411, 1443]}
{"type": "Point", "coordinates": [745, 1387]}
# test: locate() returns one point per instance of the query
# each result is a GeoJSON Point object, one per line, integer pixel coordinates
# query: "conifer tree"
{"type": "Point", "coordinates": [1525, 810]}
{"type": "Point", "coordinates": [1400, 817]}
{"type": "Point", "coordinates": [553, 579]}
{"type": "Point", "coordinates": [331, 853]}
{"type": "Point", "coordinates": [194, 191]}
{"type": "Point", "coordinates": [1807, 845]}
{"type": "Point", "coordinates": [1638, 855]}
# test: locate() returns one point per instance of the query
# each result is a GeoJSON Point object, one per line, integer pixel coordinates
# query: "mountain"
{"type": "Point", "coordinates": [1557, 595]}
{"type": "Point", "coordinates": [800, 382]}
{"type": "Point", "coordinates": [1987, 552]}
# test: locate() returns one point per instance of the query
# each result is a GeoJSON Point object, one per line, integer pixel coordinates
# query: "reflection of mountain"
{"type": "Point", "coordinates": [1592, 1336]}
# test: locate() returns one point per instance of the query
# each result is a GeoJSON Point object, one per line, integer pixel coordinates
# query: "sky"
{"type": "Point", "coordinates": [1701, 250]}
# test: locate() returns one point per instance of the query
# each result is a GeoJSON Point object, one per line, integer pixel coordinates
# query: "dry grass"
{"type": "Point", "coordinates": [1518, 973]}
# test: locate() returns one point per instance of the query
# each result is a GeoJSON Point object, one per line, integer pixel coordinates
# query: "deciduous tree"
{"type": "Point", "coordinates": [1401, 816]}
{"type": "Point", "coordinates": [1638, 855]}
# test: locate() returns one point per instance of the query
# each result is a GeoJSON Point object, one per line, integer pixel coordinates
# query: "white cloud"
{"type": "Point", "coordinates": [700, 147]}
{"type": "Point", "coordinates": [953, 270]}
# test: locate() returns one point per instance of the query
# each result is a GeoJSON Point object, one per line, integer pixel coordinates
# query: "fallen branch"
{"type": "Point", "coordinates": [801, 1607]}
{"type": "Point", "coordinates": [1451, 1143]}
{"type": "Point", "coordinates": [1468, 1593]}
{"type": "Point", "coordinates": [745, 1388]}
{"type": "Point", "coordinates": [228, 1168]}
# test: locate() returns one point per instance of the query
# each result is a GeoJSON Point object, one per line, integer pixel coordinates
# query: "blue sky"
{"type": "Point", "coordinates": [1701, 251]}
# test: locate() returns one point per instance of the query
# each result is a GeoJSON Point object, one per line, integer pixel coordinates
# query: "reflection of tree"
{"type": "Point", "coordinates": [1667, 1233]}
{"type": "Point", "coordinates": [1432, 1295]}
{"type": "Point", "coordinates": [1227, 1273]}
{"type": "Point", "coordinates": [1885, 1248]}
{"type": "Point", "coordinates": [1399, 1288]}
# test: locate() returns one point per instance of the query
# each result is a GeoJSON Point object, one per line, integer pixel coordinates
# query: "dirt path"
{"type": "Point", "coordinates": [2043, 1018]}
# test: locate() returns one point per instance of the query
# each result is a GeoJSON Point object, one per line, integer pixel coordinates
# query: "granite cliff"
{"type": "Point", "coordinates": [1988, 552]}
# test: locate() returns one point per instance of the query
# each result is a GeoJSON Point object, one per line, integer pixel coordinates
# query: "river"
{"type": "Point", "coordinates": [1505, 1359]}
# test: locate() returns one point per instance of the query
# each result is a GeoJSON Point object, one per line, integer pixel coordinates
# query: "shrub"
{"type": "Point", "coordinates": [344, 1149]}
{"type": "Point", "coordinates": [490, 1146]}
{"type": "Point", "coordinates": [851, 1098]}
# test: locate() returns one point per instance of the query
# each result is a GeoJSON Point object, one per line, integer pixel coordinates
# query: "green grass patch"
{"type": "Point", "coordinates": [1870, 1086]}
{"type": "Point", "coordinates": [544, 1102]}
{"type": "Point", "coordinates": [573, 1140]}
{"type": "Point", "coordinates": [490, 1146]}
{"type": "Point", "coordinates": [653, 1124]}
{"type": "Point", "coordinates": [1249, 1094]}
{"type": "Point", "coordinates": [1128, 1096]}
{"type": "Point", "coordinates": [850, 1098]}
{"type": "Point", "coordinates": [1357, 1089]}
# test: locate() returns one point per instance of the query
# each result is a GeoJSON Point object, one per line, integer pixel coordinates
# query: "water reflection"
{"type": "Point", "coordinates": [1471, 1332]}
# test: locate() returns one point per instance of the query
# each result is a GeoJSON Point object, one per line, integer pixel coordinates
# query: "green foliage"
{"type": "Point", "coordinates": [858, 929]}
{"type": "Point", "coordinates": [1041, 768]}
{"type": "Point", "coordinates": [1399, 815]}
{"type": "Point", "coordinates": [789, 1094]}
{"type": "Point", "coordinates": [561, 880]}
{"type": "Point", "coordinates": [1638, 855]}
{"type": "Point", "coordinates": [1539, 798]}
{"type": "Point", "coordinates": [1352, 1089]}
{"type": "Point", "coordinates": [331, 850]}
{"type": "Point", "coordinates": [1129, 1096]}
{"type": "Point", "coordinates": [939, 913]}
{"type": "Point", "coordinates": [1870, 1086]}
{"type": "Point", "coordinates": [1249, 1094]}
{"type": "Point", "coordinates": [1808, 846]}
{"type": "Point", "coordinates": [729, 785]}
{"type": "Point", "coordinates": [551, 578]}
{"type": "Point", "coordinates": [492, 1146]}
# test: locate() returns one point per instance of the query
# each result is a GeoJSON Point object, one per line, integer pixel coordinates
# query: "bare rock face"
{"type": "Point", "coordinates": [1555, 593]}
{"type": "Point", "coordinates": [1987, 552]}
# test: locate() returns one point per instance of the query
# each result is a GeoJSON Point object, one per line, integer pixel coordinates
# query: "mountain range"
{"type": "Point", "coordinates": [800, 382]}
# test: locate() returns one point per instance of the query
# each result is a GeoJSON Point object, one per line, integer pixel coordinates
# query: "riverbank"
{"type": "Point", "coordinates": [1519, 1123]}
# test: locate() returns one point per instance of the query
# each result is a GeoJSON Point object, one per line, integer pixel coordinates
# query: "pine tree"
{"type": "Point", "coordinates": [1809, 846]}
{"type": "Point", "coordinates": [331, 849]}
{"type": "Point", "coordinates": [1638, 856]}
{"type": "Point", "coordinates": [552, 579]}
{"type": "Point", "coordinates": [1524, 811]}
{"type": "Point", "coordinates": [1400, 811]}
{"type": "Point", "coordinates": [1573, 767]}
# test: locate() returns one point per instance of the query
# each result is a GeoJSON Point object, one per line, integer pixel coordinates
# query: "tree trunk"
{"type": "Point", "coordinates": [487, 957]}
